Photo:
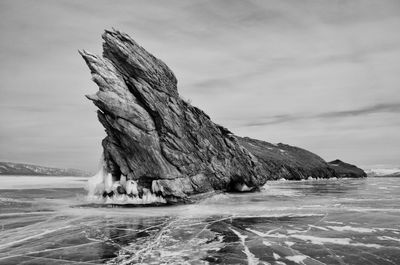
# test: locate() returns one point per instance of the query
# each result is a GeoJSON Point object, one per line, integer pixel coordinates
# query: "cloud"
{"type": "Point", "coordinates": [273, 120]}
{"type": "Point", "coordinates": [298, 67]}
{"type": "Point", "coordinates": [284, 118]}
{"type": "Point", "coordinates": [379, 108]}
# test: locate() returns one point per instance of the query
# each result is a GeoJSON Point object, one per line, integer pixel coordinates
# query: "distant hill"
{"type": "Point", "coordinates": [383, 172]}
{"type": "Point", "coordinates": [8, 168]}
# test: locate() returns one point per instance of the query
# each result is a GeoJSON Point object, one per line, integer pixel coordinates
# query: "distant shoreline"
{"type": "Point", "coordinates": [38, 175]}
{"type": "Point", "coordinates": [22, 169]}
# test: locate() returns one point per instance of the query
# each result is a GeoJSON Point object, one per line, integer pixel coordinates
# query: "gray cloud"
{"type": "Point", "coordinates": [385, 107]}
{"type": "Point", "coordinates": [284, 118]}
{"type": "Point", "coordinates": [274, 120]}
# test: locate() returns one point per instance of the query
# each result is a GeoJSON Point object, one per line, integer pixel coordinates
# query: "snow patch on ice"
{"type": "Point", "coordinates": [266, 243]}
{"type": "Point", "coordinates": [289, 243]}
{"type": "Point", "coordinates": [319, 227]}
{"type": "Point", "coordinates": [350, 228]}
{"type": "Point", "coordinates": [336, 241]}
{"type": "Point", "coordinates": [297, 258]}
{"type": "Point", "coordinates": [388, 238]}
{"type": "Point", "coordinates": [292, 231]}
{"type": "Point", "coordinates": [333, 222]}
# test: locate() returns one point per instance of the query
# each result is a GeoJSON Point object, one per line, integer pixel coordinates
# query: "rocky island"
{"type": "Point", "coordinates": [160, 149]}
{"type": "Point", "coordinates": [22, 169]}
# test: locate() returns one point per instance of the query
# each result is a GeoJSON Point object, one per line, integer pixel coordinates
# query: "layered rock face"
{"type": "Point", "coordinates": [288, 162]}
{"type": "Point", "coordinates": [168, 147]}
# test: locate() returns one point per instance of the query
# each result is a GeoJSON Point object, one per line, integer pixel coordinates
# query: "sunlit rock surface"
{"type": "Point", "coordinates": [167, 148]}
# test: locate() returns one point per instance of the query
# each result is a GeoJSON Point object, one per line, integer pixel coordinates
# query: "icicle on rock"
{"type": "Point", "coordinates": [106, 188]}
{"type": "Point", "coordinates": [108, 183]}
{"type": "Point", "coordinates": [122, 180]}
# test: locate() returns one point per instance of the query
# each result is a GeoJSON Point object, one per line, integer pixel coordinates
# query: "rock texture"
{"type": "Point", "coordinates": [288, 162]}
{"type": "Point", "coordinates": [345, 170]}
{"type": "Point", "coordinates": [164, 144]}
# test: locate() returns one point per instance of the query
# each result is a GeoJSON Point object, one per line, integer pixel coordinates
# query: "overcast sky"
{"type": "Point", "coordinates": [322, 75]}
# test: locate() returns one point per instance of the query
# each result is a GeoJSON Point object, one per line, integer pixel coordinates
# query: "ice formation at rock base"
{"type": "Point", "coordinates": [104, 188]}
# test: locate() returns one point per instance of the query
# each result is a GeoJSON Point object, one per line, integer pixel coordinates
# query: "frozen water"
{"type": "Point", "coordinates": [46, 220]}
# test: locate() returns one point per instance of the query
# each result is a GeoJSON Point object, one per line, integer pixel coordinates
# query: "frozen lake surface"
{"type": "Point", "coordinates": [347, 221]}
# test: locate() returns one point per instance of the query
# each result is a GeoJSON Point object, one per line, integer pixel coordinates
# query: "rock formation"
{"type": "Point", "coordinates": [288, 162]}
{"type": "Point", "coordinates": [345, 170]}
{"type": "Point", "coordinates": [168, 147]}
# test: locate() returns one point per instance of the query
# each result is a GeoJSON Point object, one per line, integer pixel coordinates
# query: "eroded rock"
{"type": "Point", "coordinates": [163, 146]}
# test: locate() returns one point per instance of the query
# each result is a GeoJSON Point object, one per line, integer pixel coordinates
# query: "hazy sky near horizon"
{"type": "Point", "coordinates": [322, 75]}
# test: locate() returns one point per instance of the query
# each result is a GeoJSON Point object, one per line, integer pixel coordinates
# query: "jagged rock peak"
{"type": "Point", "coordinates": [155, 136]}
{"type": "Point", "coordinates": [132, 60]}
